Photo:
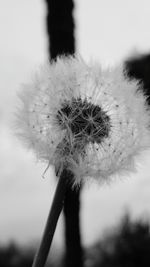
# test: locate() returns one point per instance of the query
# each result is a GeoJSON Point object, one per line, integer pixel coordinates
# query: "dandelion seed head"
{"type": "Point", "coordinates": [91, 121]}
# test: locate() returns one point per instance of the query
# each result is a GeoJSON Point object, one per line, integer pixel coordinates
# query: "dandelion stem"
{"type": "Point", "coordinates": [57, 204]}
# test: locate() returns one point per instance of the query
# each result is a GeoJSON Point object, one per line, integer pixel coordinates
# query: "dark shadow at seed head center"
{"type": "Point", "coordinates": [85, 120]}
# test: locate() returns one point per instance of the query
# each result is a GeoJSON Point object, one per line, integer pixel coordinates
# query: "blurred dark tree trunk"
{"type": "Point", "coordinates": [72, 230]}
{"type": "Point", "coordinates": [60, 27]}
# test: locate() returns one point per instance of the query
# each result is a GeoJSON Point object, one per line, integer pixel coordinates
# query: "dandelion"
{"type": "Point", "coordinates": [90, 121]}
{"type": "Point", "coordinates": [87, 122]}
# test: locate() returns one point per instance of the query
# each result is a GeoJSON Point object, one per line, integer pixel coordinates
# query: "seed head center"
{"type": "Point", "coordinates": [85, 120]}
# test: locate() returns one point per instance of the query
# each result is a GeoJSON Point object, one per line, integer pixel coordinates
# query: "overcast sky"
{"type": "Point", "coordinates": [106, 31]}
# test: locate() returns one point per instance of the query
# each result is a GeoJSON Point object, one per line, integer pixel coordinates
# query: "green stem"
{"type": "Point", "coordinates": [42, 253]}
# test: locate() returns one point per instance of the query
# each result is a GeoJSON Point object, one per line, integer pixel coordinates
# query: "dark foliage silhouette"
{"type": "Point", "coordinates": [60, 28]}
{"type": "Point", "coordinates": [128, 246]}
{"type": "Point", "coordinates": [13, 256]}
{"type": "Point", "coordinates": [139, 68]}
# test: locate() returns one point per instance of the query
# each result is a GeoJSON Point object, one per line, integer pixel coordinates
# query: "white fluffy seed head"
{"type": "Point", "coordinates": [91, 121]}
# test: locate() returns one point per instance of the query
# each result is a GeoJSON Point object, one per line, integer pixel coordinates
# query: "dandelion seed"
{"type": "Point", "coordinates": [90, 121]}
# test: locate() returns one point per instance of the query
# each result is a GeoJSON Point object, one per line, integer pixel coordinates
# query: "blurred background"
{"type": "Point", "coordinates": [108, 32]}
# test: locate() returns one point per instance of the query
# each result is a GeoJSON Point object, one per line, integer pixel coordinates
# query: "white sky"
{"type": "Point", "coordinates": [106, 31]}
